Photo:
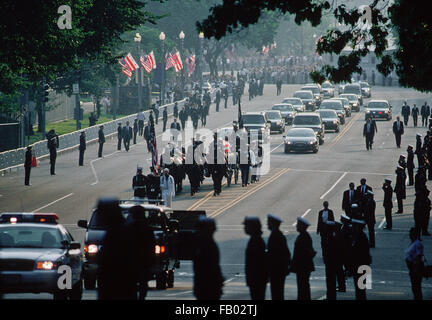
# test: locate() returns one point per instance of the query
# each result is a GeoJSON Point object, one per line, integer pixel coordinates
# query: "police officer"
{"type": "Point", "coordinates": [400, 187]}
{"type": "Point", "coordinates": [101, 140]}
{"type": "Point", "coordinates": [388, 203]}
{"type": "Point", "coordinates": [422, 207]}
{"type": "Point", "coordinates": [414, 114]}
{"type": "Point", "coordinates": [135, 130]}
{"type": "Point", "coordinates": [82, 147]}
{"type": "Point", "coordinates": [406, 112]}
{"type": "Point", "coordinates": [332, 259]}
{"type": "Point", "coordinates": [302, 263]}
{"type": "Point", "coordinates": [418, 150]}
{"type": "Point", "coordinates": [256, 264]}
{"type": "Point", "coordinates": [53, 144]}
{"type": "Point", "coordinates": [425, 113]}
{"type": "Point", "coordinates": [208, 279]}
{"type": "Point", "coordinates": [279, 257]}
{"type": "Point", "coordinates": [28, 165]}
{"type": "Point", "coordinates": [369, 216]}
{"type": "Point", "coordinates": [119, 136]}
{"type": "Point", "coordinates": [410, 165]}
{"type": "Point", "coordinates": [153, 188]}
{"type": "Point", "coordinates": [127, 135]}
{"type": "Point", "coordinates": [139, 184]}
{"type": "Point", "coordinates": [164, 118]}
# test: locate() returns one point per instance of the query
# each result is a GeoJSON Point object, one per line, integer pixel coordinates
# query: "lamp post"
{"type": "Point", "coordinates": [137, 40]}
{"type": "Point", "coordinates": [182, 36]}
{"type": "Point", "coordinates": [162, 91]}
{"type": "Point", "coordinates": [201, 37]}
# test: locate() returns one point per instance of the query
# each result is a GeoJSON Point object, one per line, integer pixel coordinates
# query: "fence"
{"type": "Point", "coordinates": [15, 158]}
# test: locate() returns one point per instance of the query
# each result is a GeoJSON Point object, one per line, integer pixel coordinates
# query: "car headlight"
{"type": "Point", "coordinates": [335, 122]}
{"type": "Point", "coordinates": [45, 265]}
{"type": "Point", "coordinates": [91, 249]}
{"type": "Point", "coordinates": [159, 249]}
{"type": "Point", "coordinates": [367, 111]}
{"type": "Point", "coordinates": [312, 142]}
{"type": "Point", "coordinates": [288, 142]}
{"type": "Point", "coordinates": [355, 104]}
{"type": "Point", "coordinates": [387, 111]}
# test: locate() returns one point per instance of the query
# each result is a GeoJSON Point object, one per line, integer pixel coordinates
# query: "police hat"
{"type": "Point", "coordinates": [29, 147]}
{"type": "Point", "coordinates": [354, 205]}
{"type": "Point", "coordinates": [387, 180]}
{"type": "Point", "coordinates": [410, 146]}
{"type": "Point", "coordinates": [418, 135]}
{"type": "Point", "coordinates": [271, 216]}
{"type": "Point", "coordinates": [303, 221]}
{"type": "Point", "coordinates": [252, 222]}
{"type": "Point", "coordinates": [402, 156]}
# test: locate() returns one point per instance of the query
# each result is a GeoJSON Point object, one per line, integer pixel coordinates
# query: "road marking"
{"type": "Point", "coordinates": [333, 186]}
{"type": "Point", "coordinates": [382, 223]}
{"type": "Point", "coordinates": [55, 201]}
{"type": "Point", "coordinates": [247, 194]}
{"type": "Point", "coordinates": [179, 293]}
{"type": "Point", "coordinates": [351, 172]}
{"type": "Point", "coordinates": [345, 130]}
{"type": "Point", "coordinates": [277, 147]}
{"type": "Point", "coordinates": [323, 297]}
{"type": "Point", "coordinates": [304, 215]}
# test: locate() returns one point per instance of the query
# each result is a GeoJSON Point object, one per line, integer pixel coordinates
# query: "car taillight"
{"type": "Point", "coordinates": [91, 248]}
{"type": "Point", "coordinates": [159, 249]}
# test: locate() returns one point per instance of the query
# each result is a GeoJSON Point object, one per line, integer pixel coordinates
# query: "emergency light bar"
{"type": "Point", "coordinates": [21, 217]}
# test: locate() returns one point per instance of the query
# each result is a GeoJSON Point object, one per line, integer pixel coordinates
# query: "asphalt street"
{"type": "Point", "coordinates": [296, 185]}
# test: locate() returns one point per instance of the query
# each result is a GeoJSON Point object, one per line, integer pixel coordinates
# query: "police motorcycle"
{"type": "Point", "coordinates": [175, 233]}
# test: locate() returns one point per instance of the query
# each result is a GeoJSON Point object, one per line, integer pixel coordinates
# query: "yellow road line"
{"type": "Point", "coordinates": [247, 194]}
{"type": "Point", "coordinates": [345, 130]}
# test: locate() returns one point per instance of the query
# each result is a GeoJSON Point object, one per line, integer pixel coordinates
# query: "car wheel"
{"type": "Point", "coordinates": [161, 280]}
{"type": "Point", "coordinates": [76, 292]}
{"type": "Point", "coordinates": [286, 149]}
{"type": "Point", "coordinates": [315, 150]}
{"type": "Point", "coordinates": [337, 130]}
{"type": "Point", "coordinates": [170, 280]}
{"type": "Point", "coordinates": [89, 283]}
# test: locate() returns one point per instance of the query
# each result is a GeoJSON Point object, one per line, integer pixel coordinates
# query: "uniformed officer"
{"type": "Point", "coordinates": [82, 148]}
{"type": "Point", "coordinates": [153, 189]}
{"type": "Point", "coordinates": [139, 184]}
{"type": "Point", "coordinates": [388, 203]}
{"type": "Point", "coordinates": [101, 140]}
{"type": "Point", "coordinates": [28, 165]}
{"type": "Point", "coordinates": [52, 144]}
{"type": "Point", "coordinates": [420, 179]}
{"type": "Point", "coordinates": [302, 263]}
{"type": "Point", "coordinates": [360, 255]}
{"type": "Point", "coordinates": [400, 188]}
{"type": "Point", "coordinates": [418, 150]}
{"type": "Point", "coordinates": [256, 264]}
{"type": "Point", "coordinates": [119, 136]}
{"type": "Point", "coordinates": [331, 257]}
{"type": "Point", "coordinates": [279, 257]}
{"type": "Point", "coordinates": [410, 165]}
{"type": "Point", "coordinates": [369, 216]}
{"type": "Point", "coordinates": [208, 279]}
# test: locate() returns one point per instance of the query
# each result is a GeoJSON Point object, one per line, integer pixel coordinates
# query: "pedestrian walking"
{"type": "Point", "coordinates": [398, 130]}
{"type": "Point", "coordinates": [406, 111]}
{"type": "Point", "coordinates": [414, 113]}
{"type": "Point", "coordinates": [82, 148]}
{"type": "Point", "coordinates": [164, 118]}
{"type": "Point", "coordinates": [279, 257]}
{"type": "Point", "coordinates": [52, 144]}
{"type": "Point", "coordinates": [183, 117]}
{"type": "Point", "coordinates": [369, 130]}
{"type": "Point", "coordinates": [119, 136]}
{"type": "Point", "coordinates": [148, 135]}
{"type": "Point", "coordinates": [350, 197]}
{"type": "Point", "coordinates": [135, 130]}
{"type": "Point", "coordinates": [425, 112]}
{"type": "Point", "coordinates": [323, 216]}
{"type": "Point", "coordinates": [167, 187]}
{"type": "Point", "coordinates": [208, 279]}
{"type": "Point", "coordinates": [175, 110]}
{"type": "Point", "coordinates": [369, 216]}
{"type": "Point", "coordinates": [127, 135]}
{"type": "Point", "coordinates": [414, 261]}
{"type": "Point", "coordinates": [218, 99]}
{"type": "Point", "coordinates": [141, 119]}
{"type": "Point", "coordinates": [388, 203]}
{"type": "Point", "coordinates": [28, 165]}
{"type": "Point", "coordinates": [101, 140]}
{"type": "Point", "coordinates": [302, 263]}
{"type": "Point", "coordinates": [256, 263]}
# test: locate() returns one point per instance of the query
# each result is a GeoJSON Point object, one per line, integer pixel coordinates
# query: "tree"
{"type": "Point", "coordinates": [409, 23]}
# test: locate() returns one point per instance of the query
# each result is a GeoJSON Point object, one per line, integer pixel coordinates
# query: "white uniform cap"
{"type": "Point", "coordinates": [166, 170]}
{"type": "Point", "coordinates": [273, 217]}
{"type": "Point", "coordinates": [419, 135]}
{"type": "Point", "coordinates": [354, 205]}
{"type": "Point", "coordinates": [303, 220]}
{"type": "Point", "coordinates": [387, 179]}
{"type": "Point", "coordinates": [402, 156]}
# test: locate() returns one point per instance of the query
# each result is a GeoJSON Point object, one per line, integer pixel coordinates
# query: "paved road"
{"type": "Point", "coordinates": [296, 185]}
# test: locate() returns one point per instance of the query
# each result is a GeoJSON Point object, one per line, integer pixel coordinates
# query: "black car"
{"type": "Point", "coordinates": [287, 111]}
{"type": "Point", "coordinates": [174, 231]}
{"type": "Point", "coordinates": [301, 140]}
{"type": "Point", "coordinates": [335, 105]}
{"type": "Point", "coordinates": [35, 251]}
{"type": "Point", "coordinates": [308, 99]}
{"type": "Point", "coordinates": [310, 120]}
{"type": "Point", "coordinates": [330, 119]}
{"type": "Point", "coordinates": [277, 122]}
{"type": "Point", "coordinates": [353, 101]}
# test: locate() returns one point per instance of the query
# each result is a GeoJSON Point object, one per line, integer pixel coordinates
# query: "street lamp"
{"type": "Point", "coordinates": [182, 36]}
{"type": "Point", "coordinates": [162, 91]}
{"type": "Point", "coordinates": [201, 37]}
{"type": "Point", "coordinates": [137, 40]}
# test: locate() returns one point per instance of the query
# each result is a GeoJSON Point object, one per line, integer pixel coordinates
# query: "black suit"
{"type": "Point", "coordinates": [369, 218]}
{"type": "Point", "coordinates": [347, 202]}
{"type": "Point", "coordinates": [119, 137]}
{"type": "Point", "coordinates": [414, 114]}
{"type": "Point", "coordinates": [82, 148]}
{"type": "Point", "coordinates": [425, 113]}
{"type": "Point", "coordinates": [410, 167]}
{"type": "Point", "coordinates": [322, 228]}
{"type": "Point", "coordinates": [101, 142]}
{"type": "Point", "coordinates": [369, 133]}
{"type": "Point", "coordinates": [406, 111]}
{"type": "Point", "coordinates": [388, 204]}
{"type": "Point", "coordinates": [27, 166]}
{"type": "Point", "coordinates": [398, 132]}
{"type": "Point", "coordinates": [362, 192]}
{"type": "Point", "coordinates": [127, 135]}
{"type": "Point", "coordinates": [147, 136]}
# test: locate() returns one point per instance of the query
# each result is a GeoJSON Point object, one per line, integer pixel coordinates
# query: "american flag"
{"type": "Point", "coordinates": [265, 50]}
{"type": "Point", "coordinates": [153, 148]}
{"type": "Point", "coordinates": [190, 62]}
{"type": "Point", "coordinates": [178, 62]}
{"type": "Point", "coordinates": [146, 63]}
{"type": "Point", "coordinates": [131, 62]}
{"type": "Point", "coordinates": [169, 61]}
{"type": "Point", "coordinates": [125, 67]}
{"type": "Point", "coordinates": [152, 59]}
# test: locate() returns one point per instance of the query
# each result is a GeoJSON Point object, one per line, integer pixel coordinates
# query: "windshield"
{"type": "Point", "coordinates": [304, 95]}
{"type": "Point", "coordinates": [336, 105]}
{"type": "Point", "coordinates": [294, 101]}
{"type": "Point", "coordinates": [345, 102]}
{"type": "Point", "coordinates": [307, 120]}
{"type": "Point", "coordinates": [350, 97]}
{"type": "Point", "coordinates": [315, 90]}
{"type": "Point", "coordinates": [373, 105]}
{"type": "Point", "coordinates": [328, 114]}
{"type": "Point", "coordinates": [29, 237]}
{"type": "Point", "coordinates": [352, 89]}
{"type": "Point", "coordinates": [253, 118]}
{"type": "Point", "coordinates": [364, 85]}
{"type": "Point", "coordinates": [273, 115]}
{"type": "Point", "coordinates": [155, 219]}
{"type": "Point", "coordinates": [301, 133]}
{"type": "Point", "coordinates": [283, 108]}
{"type": "Point", "coordinates": [327, 85]}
